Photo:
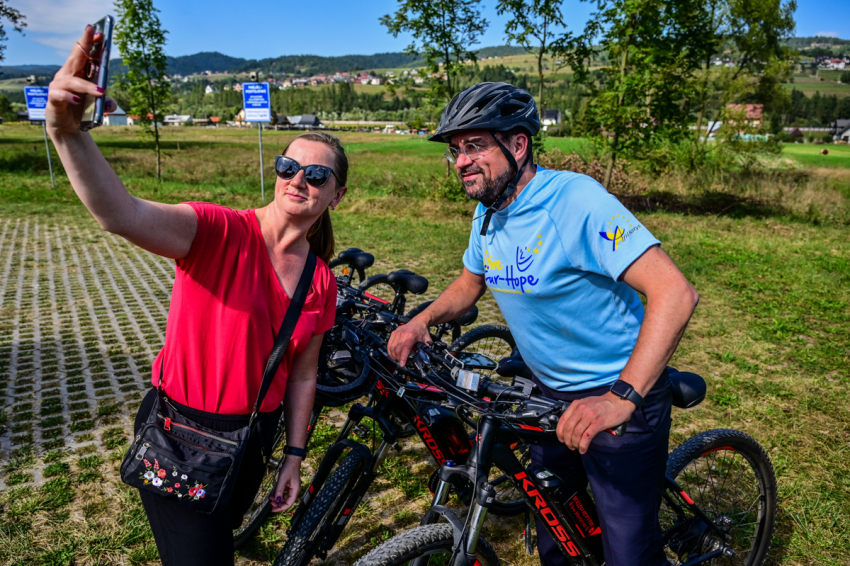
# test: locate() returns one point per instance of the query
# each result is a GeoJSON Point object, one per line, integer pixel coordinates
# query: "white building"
{"type": "Point", "coordinates": [177, 120]}
{"type": "Point", "coordinates": [117, 118]}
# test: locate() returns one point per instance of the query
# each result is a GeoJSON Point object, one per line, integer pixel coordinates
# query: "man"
{"type": "Point", "coordinates": [565, 262]}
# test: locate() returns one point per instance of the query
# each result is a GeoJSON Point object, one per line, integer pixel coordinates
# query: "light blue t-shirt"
{"type": "Point", "coordinates": [553, 261]}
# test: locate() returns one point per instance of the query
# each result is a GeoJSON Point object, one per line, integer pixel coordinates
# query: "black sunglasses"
{"type": "Point", "coordinates": [315, 175]}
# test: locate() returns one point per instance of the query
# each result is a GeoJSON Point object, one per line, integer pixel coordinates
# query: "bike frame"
{"type": "Point", "coordinates": [384, 403]}
{"type": "Point", "coordinates": [560, 504]}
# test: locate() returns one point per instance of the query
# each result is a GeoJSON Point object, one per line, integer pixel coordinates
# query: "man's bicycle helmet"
{"type": "Point", "coordinates": [498, 107]}
{"type": "Point", "coordinates": [488, 106]}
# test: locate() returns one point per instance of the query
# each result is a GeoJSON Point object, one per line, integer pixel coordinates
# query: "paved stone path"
{"type": "Point", "coordinates": [82, 316]}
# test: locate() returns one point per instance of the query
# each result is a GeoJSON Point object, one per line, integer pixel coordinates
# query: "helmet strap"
{"type": "Point", "coordinates": [510, 188]}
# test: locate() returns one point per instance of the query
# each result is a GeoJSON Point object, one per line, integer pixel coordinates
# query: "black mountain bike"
{"type": "Point", "coordinates": [719, 505]}
{"type": "Point", "coordinates": [344, 376]}
{"type": "Point", "coordinates": [400, 406]}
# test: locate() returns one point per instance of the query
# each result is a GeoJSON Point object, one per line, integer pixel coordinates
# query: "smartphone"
{"type": "Point", "coordinates": [97, 71]}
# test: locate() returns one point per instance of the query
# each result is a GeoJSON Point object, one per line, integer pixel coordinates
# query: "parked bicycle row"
{"type": "Point", "coordinates": [473, 405]}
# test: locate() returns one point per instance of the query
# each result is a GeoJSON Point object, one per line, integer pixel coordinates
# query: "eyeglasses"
{"type": "Point", "coordinates": [472, 150]}
{"type": "Point", "coordinates": [315, 175]}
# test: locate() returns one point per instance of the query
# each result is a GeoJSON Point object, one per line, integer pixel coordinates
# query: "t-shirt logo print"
{"type": "Point", "coordinates": [617, 233]}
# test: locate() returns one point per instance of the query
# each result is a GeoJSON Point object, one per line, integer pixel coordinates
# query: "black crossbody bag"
{"type": "Point", "coordinates": [195, 466]}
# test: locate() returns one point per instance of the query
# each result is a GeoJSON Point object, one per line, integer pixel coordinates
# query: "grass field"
{"type": "Point", "coordinates": [825, 84]}
{"type": "Point", "coordinates": [770, 335]}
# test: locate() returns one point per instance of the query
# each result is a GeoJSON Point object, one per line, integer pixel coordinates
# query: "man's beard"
{"type": "Point", "coordinates": [491, 187]}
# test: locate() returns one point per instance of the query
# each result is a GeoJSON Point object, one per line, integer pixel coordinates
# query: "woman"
{"type": "Point", "coordinates": [235, 273]}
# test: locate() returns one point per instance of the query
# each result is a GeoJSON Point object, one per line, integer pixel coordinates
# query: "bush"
{"type": "Point", "coordinates": [621, 177]}
{"type": "Point", "coordinates": [845, 77]}
{"type": "Point", "coordinates": [785, 137]}
{"type": "Point", "coordinates": [449, 189]}
{"type": "Point", "coordinates": [827, 138]}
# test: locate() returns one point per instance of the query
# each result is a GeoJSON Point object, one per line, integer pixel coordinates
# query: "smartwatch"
{"type": "Point", "coordinates": [625, 391]}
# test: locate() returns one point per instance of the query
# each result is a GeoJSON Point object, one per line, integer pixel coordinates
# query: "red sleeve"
{"type": "Point", "coordinates": [329, 296]}
{"type": "Point", "coordinates": [214, 222]}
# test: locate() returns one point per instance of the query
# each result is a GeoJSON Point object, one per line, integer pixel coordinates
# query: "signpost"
{"type": "Point", "coordinates": [256, 101]}
{"type": "Point", "coordinates": [36, 105]}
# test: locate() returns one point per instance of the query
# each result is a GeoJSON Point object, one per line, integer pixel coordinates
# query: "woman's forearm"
{"type": "Point", "coordinates": [297, 407]}
{"type": "Point", "coordinates": [94, 181]}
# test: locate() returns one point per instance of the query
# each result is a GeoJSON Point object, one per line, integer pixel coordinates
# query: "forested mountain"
{"type": "Point", "coordinates": [17, 71]}
{"type": "Point", "coordinates": [804, 42]}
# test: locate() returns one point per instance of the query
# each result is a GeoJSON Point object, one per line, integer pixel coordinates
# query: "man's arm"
{"type": "Point", "coordinates": [670, 302]}
{"type": "Point", "coordinates": [458, 298]}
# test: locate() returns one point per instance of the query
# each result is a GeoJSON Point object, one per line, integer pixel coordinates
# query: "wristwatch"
{"type": "Point", "coordinates": [625, 391]}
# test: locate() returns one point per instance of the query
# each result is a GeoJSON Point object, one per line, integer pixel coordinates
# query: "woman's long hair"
{"type": "Point", "coordinates": [321, 233]}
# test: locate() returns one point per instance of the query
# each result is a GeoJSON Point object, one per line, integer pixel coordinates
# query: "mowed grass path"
{"type": "Point", "coordinates": [770, 336]}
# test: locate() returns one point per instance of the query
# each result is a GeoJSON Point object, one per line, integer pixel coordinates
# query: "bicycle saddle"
{"type": "Point", "coordinates": [356, 258]}
{"type": "Point", "coordinates": [688, 388]}
{"type": "Point", "coordinates": [408, 281]}
{"type": "Point", "coordinates": [468, 318]}
{"type": "Point", "coordinates": [513, 366]}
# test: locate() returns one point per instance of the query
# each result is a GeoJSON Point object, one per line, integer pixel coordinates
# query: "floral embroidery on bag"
{"type": "Point", "coordinates": [158, 477]}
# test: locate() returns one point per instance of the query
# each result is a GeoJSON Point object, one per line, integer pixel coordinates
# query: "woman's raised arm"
{"type": "Point", "coordinates": [164, 229]}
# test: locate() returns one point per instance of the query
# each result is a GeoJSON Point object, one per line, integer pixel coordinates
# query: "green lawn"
{"type": "Point", "coordinates": [808, 154]}
{"type": "Point", "coordinates": [770, 335]}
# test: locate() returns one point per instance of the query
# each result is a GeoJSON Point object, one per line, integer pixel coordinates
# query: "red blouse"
{"type": "Point", "coordinates": [227, 306]}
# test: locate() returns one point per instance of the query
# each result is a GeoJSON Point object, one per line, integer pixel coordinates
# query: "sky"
{"type": "Point", "coordinates": [255, 29]}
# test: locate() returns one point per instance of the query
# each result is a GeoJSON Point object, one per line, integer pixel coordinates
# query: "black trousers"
{"type": "Point", "coordinates": [626, 475]}
{"type": "Point", "coordinates": [185, 537]}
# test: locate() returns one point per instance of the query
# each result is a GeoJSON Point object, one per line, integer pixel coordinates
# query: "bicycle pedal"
{"type": "Point", "coordinates": [361, 431]}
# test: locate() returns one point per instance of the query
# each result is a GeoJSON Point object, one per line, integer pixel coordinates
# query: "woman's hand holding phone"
{"type": "Point", "coordinates": [68, 88]}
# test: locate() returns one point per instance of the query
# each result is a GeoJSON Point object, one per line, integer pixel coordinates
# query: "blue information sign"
{"type": "Point", "coordinates": [36, 101]}
{"type": "Point", "coordinates": [257, 102]}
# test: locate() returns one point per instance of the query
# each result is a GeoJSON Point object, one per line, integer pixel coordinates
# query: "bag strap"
{"type": "Point", "coordinates": [281, 341]}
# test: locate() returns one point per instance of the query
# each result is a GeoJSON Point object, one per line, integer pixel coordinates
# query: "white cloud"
{"type": "Point", "coordinates": [59, 23]}
{"type": "Point", "coordinates": [827, 34]}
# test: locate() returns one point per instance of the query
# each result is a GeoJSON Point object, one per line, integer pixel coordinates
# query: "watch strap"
{"type": "Point", "coordinates": [293, 451]}
{"type": "Point", "coordinates": [626, 391]}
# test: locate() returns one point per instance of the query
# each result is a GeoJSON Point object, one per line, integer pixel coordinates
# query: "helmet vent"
{"type": "Point", "coordinates": [510, 108]}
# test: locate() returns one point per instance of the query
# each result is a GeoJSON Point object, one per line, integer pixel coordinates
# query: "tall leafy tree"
{"type": "Point", "coordinates": [750, 35]}
{"type": "Point", "coordinates": [652, 49]}
{"type": "Point", "coordinates": [140, 38]}
{"type": "Point", "coordinates": [539, 27]}
{"type": "Point", "coordinates": [443, 33]}
{"type": "Point", "coordinates": [15, 18]}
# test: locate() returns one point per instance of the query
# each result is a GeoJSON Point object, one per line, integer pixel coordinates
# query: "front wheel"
{"type": "Point", "coordinates": [432, 543]}
{"type": "Point", "coordinates": [308, 534]}
{"type": "Point", "coordinates": [731, 479]}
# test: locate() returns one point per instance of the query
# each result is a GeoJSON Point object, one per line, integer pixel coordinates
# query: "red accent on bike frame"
{"type": "Point", "coordinates": [371, 296]}
{"type": "Point", "coordinates": [528, 427]}
{"type": "Point", "coordinates": [579, 530]}
{"type": "Point", "coordinates": [514, 445]}
{"type": "Point", "coordinates": [718, 448]}
{"type": "Point", "coordinates": [687, 497]}
{"type": "Point", "coordinates": [596, 531]}
{"type": "Point", "coordinates": [311, 489]}
{"type": "Point", "coordinates": [424, 387]}
{"type": "Point", "coordinates": [347, 511]}
{"type": "Point", "coordinates": [477, 563]}
{"type": "Point", "coordinates": [167, 424]}
{"type": "Point", "coordinates": [548, 515]}
{"type": "Point", "coordinates": [428, 438]}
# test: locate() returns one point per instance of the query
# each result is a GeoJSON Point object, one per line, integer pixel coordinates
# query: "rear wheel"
{"type": "Point", "coordinates": [432, 543]}
{"type": "Point", "coordinates": [260, 507]}
{"type": "Point", "coordinates": [731, 479]}
{"type": "Point", "coordinates": [379, 287]}
{"type": "Point", "coordinates": [493, 342]}
{"type": "Point", "coordinates": [308, 534]}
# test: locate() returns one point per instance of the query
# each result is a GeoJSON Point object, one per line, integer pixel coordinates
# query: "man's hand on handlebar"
{"type": "Point", "coordinates": [586, 418]}
{"type": "Point", "coordinates": [405, 338]}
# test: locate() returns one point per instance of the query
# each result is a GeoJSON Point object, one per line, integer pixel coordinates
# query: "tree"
{"type": "Point", "coordinates": [652, 48]}
{"type": "Point", "coordinates": [17, 20]}
{"type": "Point", "coordinates": [536, 25]}
{"type": "Point", "coordinates": [140, 39]}
{"type": "Point", "coordinates": [443, 32]}
{"type": "Point", "coordinates": [750, 34]}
